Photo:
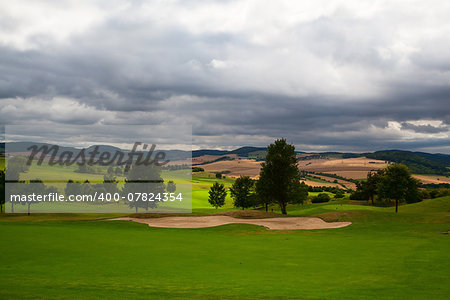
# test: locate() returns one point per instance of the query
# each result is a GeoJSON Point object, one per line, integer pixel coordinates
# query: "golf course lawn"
{"type": "Point", "coordinates": [382, 255]}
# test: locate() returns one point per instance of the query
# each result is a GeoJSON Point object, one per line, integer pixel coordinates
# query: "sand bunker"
{"type": "Point", "coordinates": [211, 221]}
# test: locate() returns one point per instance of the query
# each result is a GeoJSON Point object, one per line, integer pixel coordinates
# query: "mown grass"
{"type": "Point", "coordinates": [382, 255]}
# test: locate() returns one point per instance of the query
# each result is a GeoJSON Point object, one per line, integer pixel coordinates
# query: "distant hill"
{"type": "Point", "coordinates": [417, 162]}
{"type": "Point", "coordinates": [198, 153]}
{"type": "Point", "coordinates": [23, 147]}
{"type": "Point", "coordinates": [103, 148]}
{"type": "Point", "coordinates": [243, 151]}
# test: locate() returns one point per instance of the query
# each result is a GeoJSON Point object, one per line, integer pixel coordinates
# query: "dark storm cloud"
{"type": "Point", "coordinates": [341, 79]}
{"type": "Point", "coordinates": [424, 128]}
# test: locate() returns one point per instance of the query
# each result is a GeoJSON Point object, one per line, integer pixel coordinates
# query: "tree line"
{"type": "Point", "coordinates": [140, 179]}
{"type": "Point", "coordinates": [279, 182]}
{"type": "Point", "coordinates": [393, 183]}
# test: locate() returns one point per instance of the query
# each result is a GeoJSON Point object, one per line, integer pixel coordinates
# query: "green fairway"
{"type": "Point", "coordinates": [201, 182]}
{"type": "Point", "coordinates": [382, 255]}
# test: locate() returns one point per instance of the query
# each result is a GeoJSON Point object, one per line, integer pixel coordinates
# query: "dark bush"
{"type": "Point", "coordinates": [321, 198]}
{"type": "Point", "coordinates": [339, 194]}
{"type": "Point", "coordinates": [424, 194]}
{"type": "Point", "coordinates": [358, 195]}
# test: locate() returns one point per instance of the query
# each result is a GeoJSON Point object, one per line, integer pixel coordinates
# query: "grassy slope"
{"type": "Point", "coordinates": [201, 182]}
{"type": "Point", "coordinates": [381, 255]}
{"type": "Point", "coordinates": [317, 179]}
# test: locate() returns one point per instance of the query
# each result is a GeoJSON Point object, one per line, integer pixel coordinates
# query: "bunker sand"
{"type": "Point", "coordinates": [291, 223]}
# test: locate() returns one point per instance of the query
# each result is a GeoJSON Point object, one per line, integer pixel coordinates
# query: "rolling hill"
{"type": "Point", "coordinates": [417, 162]}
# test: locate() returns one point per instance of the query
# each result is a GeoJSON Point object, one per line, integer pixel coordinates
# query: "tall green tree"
{"type": "Point", "coordinates": [217, 194]}
{"type": "Point", "coordinates": [144, 179]}
{"type": "Point", "coordinates": [263, 196]}
{"type": "Point", "coordinates": [298, 192]}
{"type": "Point", "coordinates": [280, 174]}
{"type": "Point", "coordinates": [17, 164]}
{"type": "Point", "coordinates": [2, 190]}
{"type": "Point", "coordinates": [398, 184]}
{"type": "Point", "coordinates": [35, 186]}
{"type": "Point", "coordinates": [370, 186]}
{"type": "Point", "coordinates": [243, 191]}
{"type": "Point", "coordinates": [14, 167]}
{"type": "Point", "coordinates": [110, 183]}
{"type": "Point", "coordinates": [72, 188]}
{"type": "Point", "coordinates": [171, 187]}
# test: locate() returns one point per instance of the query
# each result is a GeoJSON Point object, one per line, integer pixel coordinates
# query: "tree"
{"type": "Point", "coordinates": [218, 175]}
{"type": "Point", "coordinates": [321, 198]}
{"type": "Point", "coordinates": [2, 190]}
{"type": "Point", "coordinates": [339, 194]}
{"type": "Point", "coordinates": [110, 183]}
{"type": "Point", "coordinates": [36, 186]}
{"type": "Point", "coordinates": [263, 193]}
{"type": "Point", "coordinates": [358, 194]}
{"type": "Point", "coordinates": [367, 190]}
{"type": "Point", "coordinates": [298, 192]}
{"type": "Point", "coordinates": [242, 191]}
{"type": "Point", "coordinates": [280, 174]}
{"type": "Point", "coordinates": [370, 187]}
{"type": "Point", "coordinates": [171, 187]}
{"type": "Point", "coordinates": [398, 184]}
{"type": "Point", "coordinates": [17, 164]}
{"type": "Point", "coordinates": [14, 167]}
{"type": "Point", "coordinates": [217, 194]}
{"type": "Point", "coordinates": [86, 188]}
{"type": "Point", "coordinates": [72, 188]}
{"type": "Point", "coordinates": [144, 180]}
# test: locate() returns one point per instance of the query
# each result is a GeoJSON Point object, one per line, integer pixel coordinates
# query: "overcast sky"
{"type": "Point", "coordinates": [326, 75]}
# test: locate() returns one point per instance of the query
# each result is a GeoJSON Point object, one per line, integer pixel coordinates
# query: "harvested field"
{"type": "Point", "coordinates": [315, 183]}
{"type": "Point", "coordinates": [354, 168]}
{"type": "Point", "coordinates": [179, 162]}
{"type": "Point", "coordinates": [348, 184]}
{"type": "Point", "coordinates": [351, 174]}
{"type": "Point", "coordinates": [425, 179]}
{"type": "Point", "coordinates": [209, 158]}
{"type": "Point", "coordinates": [246, 167]}
{"type": "Point", "coordinates": [213, 221]}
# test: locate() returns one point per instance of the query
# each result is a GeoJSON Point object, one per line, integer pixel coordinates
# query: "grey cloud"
{"type": "Point", "coordinates": [305, 84]}
{"type": "Point", "coordinates": [424, 128]}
